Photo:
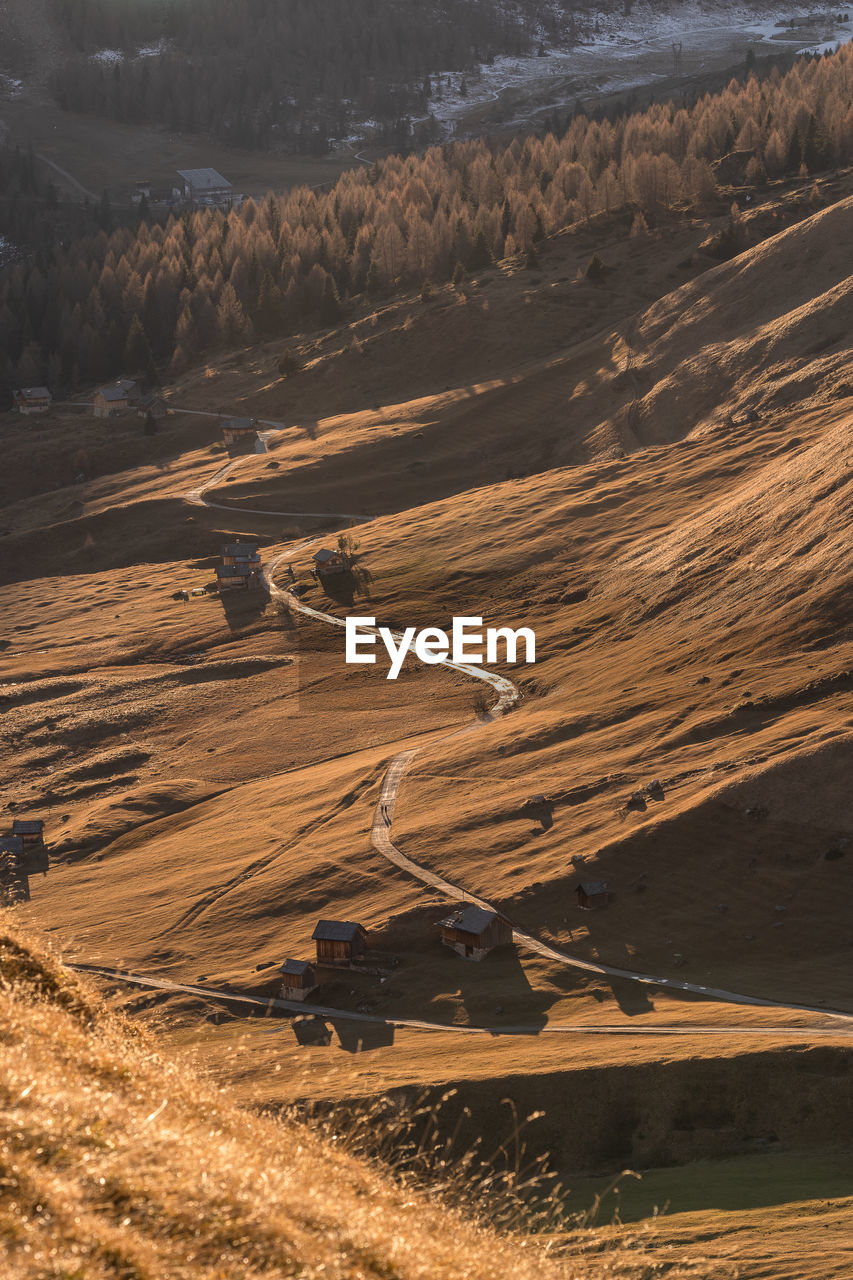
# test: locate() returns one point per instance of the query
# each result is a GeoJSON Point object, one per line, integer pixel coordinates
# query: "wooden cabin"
{"type": "Point", "coordinates": [153, 404]}
{"type": "Point", "coordinates": [112, 401]}
{"type": "Point", "coordinates": [298, 979]}
{"type": "Point", "coordinates": [592, 894]}
{"type": "Point", "coordinates": [474, 931]}
{"type": "Point", "coordinates": [32, 399]}
{"type": "Point", "coordinates": [339, 941]}
{"type": "Point", "coordinates": [328, 561]}
{"type": "Point", "coordinates": [30, 830]}
{"type": "Point", "coordinates": [21, 858]}
{"type": "Point", "coordinates": [230, 578]}
{"type": "Point", "coordinates": [239, 430]}
{"type": "Point", "coordinates": [239, 554]}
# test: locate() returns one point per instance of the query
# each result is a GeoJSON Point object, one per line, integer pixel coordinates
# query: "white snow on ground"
{"type": "Point", "coordinates": [603, 58]}
{"type": "Point", "coordinates": [108, 56]}
{"type": "Point", "coordinates": [8, 87]}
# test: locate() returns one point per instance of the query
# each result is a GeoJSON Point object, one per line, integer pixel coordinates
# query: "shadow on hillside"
{"type": "Point", "coordinates": [359, 1037]}
{"type": "Point", "coordinates": [496, 989]}
{"type": "Point", "coordinates": [631, 997]}
{"type": "Point", "coordinates": [345, 588]}
{"type": "Point", "coordinates": [242, 607]}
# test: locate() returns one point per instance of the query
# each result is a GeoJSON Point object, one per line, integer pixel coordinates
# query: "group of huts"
{"type": "Point", "coordinates": [241, 566]}
{"type": "Point", "coordinates": [471, 930]}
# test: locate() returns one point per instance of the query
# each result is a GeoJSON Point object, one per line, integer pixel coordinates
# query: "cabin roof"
{"type": "Point", "coordinates": [296, 967]}
{"type": "Point", "coordinates": [336, 931]}
{"type": "Point", "coordinates": [34, 393]}
{"type": "Point", "coordinates": [470, 919]}
{"type": "Point", "coordinates": [592, 887]}
{"type": "Point", "coordinates": [119, 390]}
{"type": "Point", "coordinates": [325, 554]}
{"type": "Point", "coordinates": [204, 179]}
{"type": "Point", "coordinates": [27, 827]}
{"type": "Point", "coordinates": [248, 549]}
{"type": "Point", "coordinates": [240, 424]}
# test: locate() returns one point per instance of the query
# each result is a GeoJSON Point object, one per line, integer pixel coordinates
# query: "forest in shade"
{"type": "Point", "coordinates": [166, 294]}
{"type": "Point", "coordinates": [258, 73]}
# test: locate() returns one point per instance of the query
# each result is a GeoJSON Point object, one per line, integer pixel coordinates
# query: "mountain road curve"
{"type": "Point", "coordinates": [507, 697]}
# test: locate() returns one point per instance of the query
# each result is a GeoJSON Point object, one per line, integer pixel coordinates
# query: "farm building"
{"type": "Point", "coordinates": [117, 399]}
{"type": "Point", "coordinates": [242, 553]}
{"type": "Point", "coordinates": [153, 404]}
{"type": "Point", "coordinates": [326, 561]}
{"type": "Point", "coordinates": [473, 932]}
{"type": "Point", "coordinates": [31, 830]}
{"type": "Point", "coordinates": [229, 577]}
{"type": "Point", "coordinates": [339, 941]}
{"type": "Point", "coordinates": [297, 979]}
{"type": "Point", "coordinates": [592, 894]}
{"type": "Point", "coordinates": [25, 850]}
{"type": "Point", "coordinates": [239, 430]}
{"type": "Point", "coordinates": [205, 186]}
{"type": "Point", "coordinates": [32, 399]}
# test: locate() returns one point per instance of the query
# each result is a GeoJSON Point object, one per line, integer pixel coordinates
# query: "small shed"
{"type": "Point", "coordinates": [242, 553]}
{"type": "Point", "coordinates": [328, 561]}
{"type": "Point", "coordinates": [153, 404]}
{"type": "Point", "coordinates": [24, 859]}
{"type": "Point", "coordinates": [239, 430]}
{"type": "Point", "coordinates": [339, 941]}
{"type": "Point", "coordinates": [230, 578]}
{"type": "Point", "coordinates": [32, 399]}
{"type": "Point", "coordinates": [30, 830]}
{"type": "Point", "coordinates": [474, 931]}
{"type": "Point", "coordinates": [592, 894]}
{"type": "Point", "coordinates": [297, 979]}
{"type": "Point", "coordinates": [116, 399]}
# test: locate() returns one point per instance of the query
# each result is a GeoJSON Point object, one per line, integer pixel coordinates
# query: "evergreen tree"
{"type": "Point", "coordinates": [330, 303]}
{"type": "Point", "coordinates": [137, 353]}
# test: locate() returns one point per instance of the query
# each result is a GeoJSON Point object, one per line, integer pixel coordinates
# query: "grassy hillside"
{"type": "Point", "coordinates": [116, 1163]}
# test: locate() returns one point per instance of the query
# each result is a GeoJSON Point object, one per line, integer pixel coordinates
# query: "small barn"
{"type": "Point", "coordinates": [592, 894]}
{"type": "Point", "coordinates": [339, 942]}
{"type": "Point", "coordinates": [328, 561]}
{"type": "Point", "coordinates": [298, 979]}
{"type": "Point", "coordinates": [112, 401]}
{"type": "Point", "coordinates": [205, 186]}
{"type": "Point", "coordinates": [474, 931]}
{"type": "Point", "coordinates": [242, 554]}
{"type": "Point", "coordinates": [239, 430]}
{"type": "Point", "coordinates": [32, 399]}
{"type": "Point", "coordinates": [230, 578]}
{"type": "Point", "coordinates": [24, 859]}
{"type": "Point", "coordinates": [30, 830]}
{"type": "Point", "coordinates": [153, 404]}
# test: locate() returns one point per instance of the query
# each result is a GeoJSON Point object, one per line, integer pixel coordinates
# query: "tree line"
{"type": "Point", "coordinates": [258, 73]}
{"type": "Point", "coordinates": [165, 294]}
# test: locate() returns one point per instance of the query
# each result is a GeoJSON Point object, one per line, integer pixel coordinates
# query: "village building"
{"type": "Point", "coordinates": [298, 979]}
{"type": "Point", "coordinates": [242, 553]}
{"type": "Point", "coordinates": [327, 561]}
{"type": "Point", "coordinates": [205, 186]}
{"type": "Point", "coordinates": [239, 430]}
{"type": "Point", "coordinates": [474, 931]}
{"type": "Point", "coordinates": [116, 399]}
{"type": "Point", "coordinates": [339, 942]}
{"type": "Point", "coordinates": [592, 894]}
{"type": "Point", "coordinates": [32, 399]}
{"type": "Point", "coordinates": [153, 404]}
{"type": "Point", "coordinates": [25, 847]}
{"type": "Point", "coordinates": [229, 577]}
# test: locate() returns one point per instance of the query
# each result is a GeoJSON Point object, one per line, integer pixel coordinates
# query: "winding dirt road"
{"type": "Point", "coordinates": [507, 697]}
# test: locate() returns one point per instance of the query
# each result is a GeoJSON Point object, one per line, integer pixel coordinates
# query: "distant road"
{"type": "Point", "coordinates": [508, 696]}
{"type": "Point", "coordinates": [418, 1024]}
